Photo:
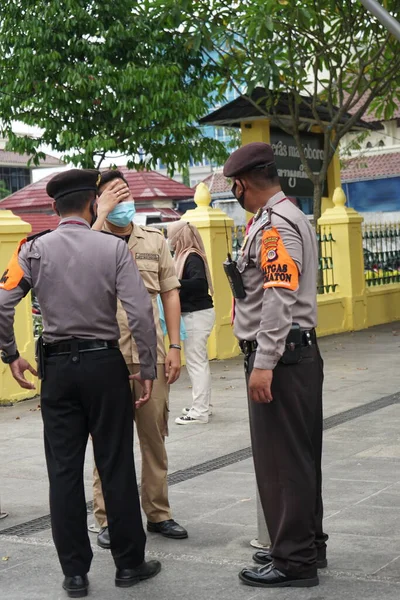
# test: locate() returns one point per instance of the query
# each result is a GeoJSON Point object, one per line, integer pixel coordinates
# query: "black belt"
{"type": "Point", "coordinates": [309, 337]}
{"type": "Point", "coordinates": [78, 346]}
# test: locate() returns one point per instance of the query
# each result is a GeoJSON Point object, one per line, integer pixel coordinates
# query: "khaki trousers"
{"type": "Point", "coordinates": [152, 427]}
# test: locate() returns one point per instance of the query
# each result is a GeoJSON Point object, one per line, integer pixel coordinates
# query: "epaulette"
{"type": "Point", "coordinates": [37, 235]}
{"type": "Point", "coordinates": [152, 229]}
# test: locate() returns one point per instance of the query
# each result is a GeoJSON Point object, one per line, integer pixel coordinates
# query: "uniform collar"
{"type": "Point", "coordinates": [137, 233]}
{"type": "Point", "coordinates": [278, 197]}
{"type": "Point", "coordinates": [74, 221]}
{"type": "Point", "coordinates": [271, 202]}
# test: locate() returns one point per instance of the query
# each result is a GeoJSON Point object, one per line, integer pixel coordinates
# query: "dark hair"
{"type": "Point", "coordinates": [263, 177]}
{"type": "Point", "coordinates": [75, 202]}
{"type": "Point", "coordinates": [110, 175]}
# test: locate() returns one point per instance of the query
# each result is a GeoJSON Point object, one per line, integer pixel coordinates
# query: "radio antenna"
{"type": "Point", "coordinates": [227, 242]}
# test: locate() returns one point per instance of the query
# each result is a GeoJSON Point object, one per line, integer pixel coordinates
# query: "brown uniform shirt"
{"type": "Point", "coordinates": [156, 266]}
{"type": "Point", "coordinates": [279, 270]}
{"type": "Point", "coordinates": [77, 275]}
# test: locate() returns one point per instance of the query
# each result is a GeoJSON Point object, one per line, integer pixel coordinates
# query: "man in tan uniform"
{"type": "Point", "coordinates": [150, 251]}
{"type": "Point", "coordinates": [275, 323]}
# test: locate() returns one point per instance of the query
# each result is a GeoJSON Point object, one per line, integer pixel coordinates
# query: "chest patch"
{"type": "Point", "coordinates": [147, 256]}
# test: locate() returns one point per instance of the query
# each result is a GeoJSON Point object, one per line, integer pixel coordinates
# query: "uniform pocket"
{"type": "Point", "coordinates": [149, 271]}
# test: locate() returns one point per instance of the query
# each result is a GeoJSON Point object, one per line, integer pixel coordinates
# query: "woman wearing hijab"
{"type": "Point", "coordinates": [197, 312]}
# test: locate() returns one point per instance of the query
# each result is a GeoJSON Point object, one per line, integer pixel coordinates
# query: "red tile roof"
{"type": "Point", "coordinates": [21, 160]}
{"type": "Point", "coordinates": [146, 186]}
{"type": "Point", "coordinates": [371, 167]}
{"type": "Point", "coordinates": [150, 185]}
{"type": "Point", "coordinates": [30, 197]}
{"type": "Point", "coordinates": [217, 183]}
{"type": "Point", "coordinates": [40, 221]}
{"type": "Point", "coordinates": [370, 115]}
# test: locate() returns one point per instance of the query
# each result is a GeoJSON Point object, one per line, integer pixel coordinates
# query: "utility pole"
{"type": "Point", "coordinates": [383, 16]}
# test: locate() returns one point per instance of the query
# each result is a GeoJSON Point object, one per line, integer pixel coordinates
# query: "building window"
{"type": "Point", "coordinates": [369, 145]}
{"type": "Point", "coordinates": [381, 143]}
{"type": "Point", "coordinates": [14, 178]}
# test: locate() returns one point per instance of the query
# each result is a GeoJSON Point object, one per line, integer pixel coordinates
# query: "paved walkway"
{"type": "Point", "coordinates": [217, 500]}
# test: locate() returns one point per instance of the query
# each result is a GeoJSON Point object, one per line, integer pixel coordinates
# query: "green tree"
{"type": "Point", "coordinates": [329, 52]}
{"type": "Point", "coordinates": [103, 77]}
{"type": "Point", "coordinates": [4, 191]}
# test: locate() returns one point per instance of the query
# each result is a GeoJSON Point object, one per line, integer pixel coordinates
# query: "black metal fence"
{"type": "Point", "coordinates": [326, 272]}
{"type": "Point", "coordinates": [381, 244]}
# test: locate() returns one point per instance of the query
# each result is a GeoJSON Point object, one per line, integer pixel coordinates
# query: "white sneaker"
{"type": "Point", "coordinates": [185, 411]}
{"type": "Point", "coordinates": [256, 544]}
{"type": "Point", "coordinates": [186, 420]}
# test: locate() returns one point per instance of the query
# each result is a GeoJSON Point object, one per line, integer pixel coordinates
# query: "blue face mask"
{"type": "Point", "coordinates": [122, 214]}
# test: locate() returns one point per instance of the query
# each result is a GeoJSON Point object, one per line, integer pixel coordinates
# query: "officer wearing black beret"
{"type": "Point", "coordinates": [77, 275]}
{"type": "Point", "coordinates": [275, 320]}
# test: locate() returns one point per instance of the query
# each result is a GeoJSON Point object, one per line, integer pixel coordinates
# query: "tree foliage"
{"type": "Point", "coordinates": [331, 52]}
{"type": "Point", "coordinates": [103, 77]}
{"type": "Point", "coordinates": [4, 191]}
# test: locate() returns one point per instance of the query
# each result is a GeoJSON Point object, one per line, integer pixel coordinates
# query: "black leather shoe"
{"type": "Point", "coordinates": [271, 577]}
{"type": "Point", "coordinates": [169, 529]}
{"type": "Point", "coordinates": [263, 557]}
{"type": "Point", "coordinates": [129, 577]}
{"type": "Point", "coordinates": [76, 587]}
{"type": "Point", "coordinates": [103, 538]}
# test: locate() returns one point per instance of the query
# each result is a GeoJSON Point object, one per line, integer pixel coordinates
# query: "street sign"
{"type": "Point", "coordinates": [292, 175]}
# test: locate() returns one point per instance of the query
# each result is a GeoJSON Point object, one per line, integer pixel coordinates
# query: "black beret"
{"type": "Point", "coordinates": [248, 157]}
{"type": "Point", "coordinates": [74, 180]}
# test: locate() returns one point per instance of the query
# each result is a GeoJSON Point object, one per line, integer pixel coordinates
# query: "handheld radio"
{"type": "Point", "coordinates": [232, 273]}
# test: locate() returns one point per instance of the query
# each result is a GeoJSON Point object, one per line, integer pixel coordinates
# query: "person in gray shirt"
{"type": "Point", "coordinates": [275, 322]}
{"type": "Point", "coordinates": [77, 275]}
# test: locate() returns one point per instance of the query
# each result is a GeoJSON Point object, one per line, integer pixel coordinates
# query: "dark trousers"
{"type": "Point", "coordinates": [82, 394]}
{"type": "Point", "coordinates": [287, 446]}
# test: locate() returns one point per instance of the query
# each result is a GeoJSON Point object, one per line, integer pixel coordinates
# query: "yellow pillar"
{"type": "Point", "coordinates": [348, 261]}
{"type": "Point", "coordinates": [214, 227]}
{"type": "Point", "coordinates": [255, 131]}
{"type": "Point", "coordinates": [12, 230]}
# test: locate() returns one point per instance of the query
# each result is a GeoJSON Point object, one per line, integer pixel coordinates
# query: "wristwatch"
{"type": "Point", "coordinates": [9, 358]}
{"type": "Point", "coordinates": [176, 346]}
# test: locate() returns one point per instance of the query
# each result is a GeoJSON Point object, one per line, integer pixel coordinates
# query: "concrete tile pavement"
{"type": "Point", "coordinates": [361, 488]}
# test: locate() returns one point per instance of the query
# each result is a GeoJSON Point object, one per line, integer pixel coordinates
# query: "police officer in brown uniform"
{"type": "Point", "coordinates": [150, 252]}
{"type": "Point", "coordinates": [275, 320]}
{"type": "Point", "coordinates": [77, 275]}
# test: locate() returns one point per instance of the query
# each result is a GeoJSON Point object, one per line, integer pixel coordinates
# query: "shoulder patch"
{"type": "Point", "coordinates": [37, 235]}
{"type": "Point", "coordinates": [13, 275]}
{"type": "Point", "coordinates": [277, 265]}
{"type": "Point", "coordinates": [152, 229]}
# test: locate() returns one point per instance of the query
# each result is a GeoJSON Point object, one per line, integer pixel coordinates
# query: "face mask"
{"type": "Point", "coordinates": [240, 199]}
{"type": "Point", "coordinates": [122, 214]}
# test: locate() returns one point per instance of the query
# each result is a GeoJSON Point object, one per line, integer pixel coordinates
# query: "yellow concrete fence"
{"type": "Point", "coordinates": [12, 230]}
{"type": "Point", "coordinates": [347, 301]}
